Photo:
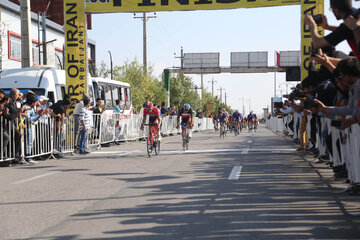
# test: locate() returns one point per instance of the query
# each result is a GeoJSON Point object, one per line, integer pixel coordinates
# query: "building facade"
{"type": "Point", "coordinates": [10, 39]}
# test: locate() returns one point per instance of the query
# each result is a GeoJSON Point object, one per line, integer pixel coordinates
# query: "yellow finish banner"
{"type": "Point", "coordinates": [75, 48]}
{"type": "Point", "coordinates": [311, 7]}
{"type": "Point", "coordinates": [178, 5]}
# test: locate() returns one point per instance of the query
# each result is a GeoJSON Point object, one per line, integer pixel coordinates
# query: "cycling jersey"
{"type": "Point", "coordinates": [222, 118]}
{"type": "Point", "coordinates": [153, 114]}
{"type": "Point", "coordinates": [237, 116]}
{"type": "Point", "coordinates": [185, 115]}
{"type": "Point", "coordinates": [250, 117]}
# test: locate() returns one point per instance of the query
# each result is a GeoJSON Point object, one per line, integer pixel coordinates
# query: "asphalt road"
{"type": "Point", "coordinates": [253, 186]}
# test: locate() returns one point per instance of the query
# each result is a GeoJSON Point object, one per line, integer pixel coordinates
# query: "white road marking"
{"type": "Point", "coordinates": [235, 173]}
{"type": "Point", "coordinates": [250, 141]}
{"type": "Point", "coordinates": [245, 151]}
{"type": "Point", "coordinates": [34, 178]}
{"type": "Point", "coordinates": [241, 150]}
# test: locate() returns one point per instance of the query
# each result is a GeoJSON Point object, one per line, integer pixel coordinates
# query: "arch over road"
{"type": "Point", "coordinates": [75, 27]}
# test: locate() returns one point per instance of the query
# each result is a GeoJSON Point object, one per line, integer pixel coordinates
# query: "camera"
{"type": "Point", "coordinates": [296, 93]}
{"type": "Point", "coordinates": [318, 19]}
{"type": "Point", "coordinates": [278, 104]}
{"type": "Point", "coordinates": [310, 103]}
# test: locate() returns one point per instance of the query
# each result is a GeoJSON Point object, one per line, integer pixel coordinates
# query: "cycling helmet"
{"type": "Point", "coordinates": [236, 110]}
{"type": "Point", "coordinates": [149, 105]}
{"type": "Point", "coordinates": [186, 106]}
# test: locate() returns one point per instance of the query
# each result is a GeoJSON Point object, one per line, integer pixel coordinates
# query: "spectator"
{"type": "Point", "coordinates": [78, 107]}
{"type": "Point", "coordinates": [173, 111]}
{"type": "Point", "coordinates": [2, 94]}
{"type": "Point", "coordinates": [59, 113]}
{"type": "Point", "coordinates": [32, 117]}
{"type": "Point", "coordinates": [12, 114]}
{"type": "Point", "coordinates": [199, 114]}
{"type": "Point", "coordinates": [4, 125]}
{"type": "Point", "coordinates": [117, 125]}
{"type": "Point", "coordinates": [163, 109]}
{"type": "Point", "coordinates": [44, 123]}
{"type": "Point", "coordinates": [342, 9]}
{"type": "Point", "coordinates": [98, 110]}
{"type": "Point", "coordinates": [347, 74]}
{"type": "Point", "coordinates": [84, 126]}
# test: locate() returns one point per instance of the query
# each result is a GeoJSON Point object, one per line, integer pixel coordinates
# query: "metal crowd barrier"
{"type": "Point", "coordinates": [7, 137]}
{"type": "Point", "coordinates": [345, 144]}
{"type": "Point", "coordinates": [46, 136]}
{"type": "Point", "coordinates": [38, 137]}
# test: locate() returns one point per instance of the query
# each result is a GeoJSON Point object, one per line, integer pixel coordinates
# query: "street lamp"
{"type": "Point", "coordinates": [111, 66]}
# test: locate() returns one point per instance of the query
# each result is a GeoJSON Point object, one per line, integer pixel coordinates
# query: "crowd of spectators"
{"type": "Point", "coordinates": [333, 90]}
{"type": "Point", "coordinates": [19, 113]}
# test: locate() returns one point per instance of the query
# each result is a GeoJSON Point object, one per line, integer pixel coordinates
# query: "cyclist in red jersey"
{"type": "Point", "coordinates": [154, 117]}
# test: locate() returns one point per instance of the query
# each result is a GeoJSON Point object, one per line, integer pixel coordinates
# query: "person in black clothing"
{"type": "Point", "coordinates": [342, 9]}
{"type": "Point", "coordinates": [59, 113]}
{"type": "Point", "coordinates": [98, 109]}
{"type": "Point", "coordinates": [12, 114]}
{"type": "Point", "coordinates": [4, 127]}
{"type": "Point", "coordinates": [164, 109]}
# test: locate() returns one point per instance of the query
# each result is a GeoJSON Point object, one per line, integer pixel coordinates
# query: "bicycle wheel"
{"type": "Point", "coordinates": [236, 130]}
{"type": "Point", "coordinates": [149, 145]}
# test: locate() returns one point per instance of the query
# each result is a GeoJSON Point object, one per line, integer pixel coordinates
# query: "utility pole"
{"type": "Point", "coordinates": [225, 97]}
{"type": "Point", "coordinates": [221, 89]}
{"type": "Point", "coordinates": [212, 87]}
{"type": "Point", "coordinates": [26, 39]}
{"type": "Point", "coordinates": [43, 27]}
{"type": "Point", "coordinates": [181, 58]}
{"type": "Point", "coordinates": [202, 86]}
{"type": "Point", "coordinates": [111, 66]}
{"type": "Point", "coordinates": [144, 18]}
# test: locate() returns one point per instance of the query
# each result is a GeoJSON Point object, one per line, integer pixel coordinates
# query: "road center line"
{"type": "Point", "coordinates": [36, 177]}
{"type": "Point", "coordinates": [235, 173]}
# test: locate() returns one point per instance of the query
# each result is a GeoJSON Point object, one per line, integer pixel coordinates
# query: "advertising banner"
{"type": "Point", "coordinates": [311, 7]}
{"type": "Point", "coordinates": [178, 5]}
{"type": "Point", "coordinates": [75, 48]}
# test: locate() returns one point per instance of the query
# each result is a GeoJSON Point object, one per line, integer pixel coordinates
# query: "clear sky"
{"type": "Point", "coordinates": [238, 30]}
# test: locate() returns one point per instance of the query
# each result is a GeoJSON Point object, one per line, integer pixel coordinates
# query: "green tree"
{"type": "Point", "coordinates": [143, 87]}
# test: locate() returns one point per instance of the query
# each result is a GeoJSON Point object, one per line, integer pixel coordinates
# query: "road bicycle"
{"type": "Point", "coordinates": [236, 129]}
{"type": "Point", "coordinates": [222, 130]}
{"type": "Point", "coordinates": [152, 141]}
{"type": "Point", "coordinates": [185, 136]}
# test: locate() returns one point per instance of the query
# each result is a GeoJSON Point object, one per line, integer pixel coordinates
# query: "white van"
{"type": "Point", "coordinates": [51, 82]}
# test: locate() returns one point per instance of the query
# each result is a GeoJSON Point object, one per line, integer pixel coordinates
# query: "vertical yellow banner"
{"type": "Point", "coordinates": [311, 7]}
{"type": "Point", "coordinates": [75, 48]}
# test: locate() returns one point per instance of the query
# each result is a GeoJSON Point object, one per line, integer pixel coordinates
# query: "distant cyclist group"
{"type": "Point", "coordinates": [185, 119]}
{"type": "Point", "coordinates": [234, 122]}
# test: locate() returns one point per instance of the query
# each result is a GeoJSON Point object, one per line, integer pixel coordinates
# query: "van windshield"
{"type": "Point", "coordinates": [37, 91]}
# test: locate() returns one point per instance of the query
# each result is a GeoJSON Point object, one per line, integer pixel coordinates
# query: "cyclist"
{"type": "Point", "coordinates": [215, 121]}
{"type": "Point", "coordinates": [251, 119]}
{"type": "Point", "coordinates": [154, 117]}
{"type": "Point", "coordinates": [186, 114]}
{"type": "Point", "coordinates": [237, 117]}
{"type": "Point", "coordinates": [223, 118]}
{"type": "Point", "coordinates": [255, 121]}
